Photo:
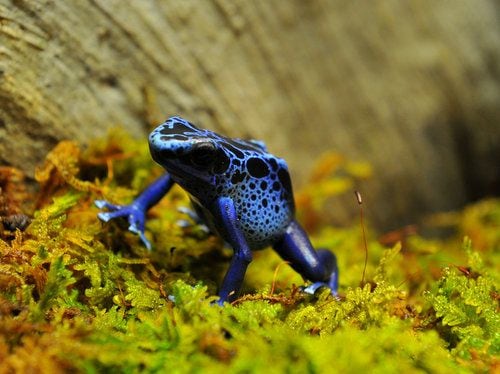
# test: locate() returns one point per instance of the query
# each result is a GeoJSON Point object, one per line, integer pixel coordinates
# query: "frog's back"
{"type": "Point", "coordinates": [260, 188]}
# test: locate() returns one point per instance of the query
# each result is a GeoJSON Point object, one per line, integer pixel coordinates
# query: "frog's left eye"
{"type": "Point", "coordinates": [202, 154]}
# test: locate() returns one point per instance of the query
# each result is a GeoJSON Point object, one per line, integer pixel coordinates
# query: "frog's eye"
{"type": "Point", "coordinates": [202, 154]}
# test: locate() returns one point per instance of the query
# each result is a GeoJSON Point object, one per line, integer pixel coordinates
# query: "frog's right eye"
{"type": "Point", "coordinates": [202, 154]}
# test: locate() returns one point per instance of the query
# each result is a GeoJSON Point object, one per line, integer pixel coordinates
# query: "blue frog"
{"type": "Point", "coordinates": [240, 191]}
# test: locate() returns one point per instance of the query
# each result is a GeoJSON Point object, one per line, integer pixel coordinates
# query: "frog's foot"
{"type": "Point", "coordinates": [311, 289]}
{"type": "Point", "coordinates": [135, 214]}
{"type": "Point", "coordinates": [332, 284]}
{"type": "Point", "coordinates": [194, 217]}
{"type": "Point", "coordinates": [190, 213]}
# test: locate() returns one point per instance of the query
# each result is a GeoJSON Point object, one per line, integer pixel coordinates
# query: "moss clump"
{"type": "Point", "coordinates": [465, 310]}
{"type": "Point", "coordinates": [79, 295]}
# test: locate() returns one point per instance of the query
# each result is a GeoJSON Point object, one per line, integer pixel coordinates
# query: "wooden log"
{"type": "Point", "coordinates": [412, 87]}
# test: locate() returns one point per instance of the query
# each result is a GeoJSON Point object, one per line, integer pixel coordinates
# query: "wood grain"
{"type": "Point", "coordinates": [413, 87]}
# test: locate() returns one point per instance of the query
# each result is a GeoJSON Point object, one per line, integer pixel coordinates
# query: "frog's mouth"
{"type": "Point", "coordinates": [182, 172]}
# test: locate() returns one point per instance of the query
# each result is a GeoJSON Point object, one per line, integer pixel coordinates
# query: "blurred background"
{"type": "Point", "coordinates": [412, 88]}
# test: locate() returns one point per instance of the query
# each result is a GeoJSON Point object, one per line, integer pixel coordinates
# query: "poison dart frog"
{"type": "Point", "coordinates": [240, 191]}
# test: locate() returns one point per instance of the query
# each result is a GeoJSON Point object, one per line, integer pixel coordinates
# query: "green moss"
{"type": "Point", "coordinates": [76, 294]}
{"type": "Point", "coordinates": [465, 306]}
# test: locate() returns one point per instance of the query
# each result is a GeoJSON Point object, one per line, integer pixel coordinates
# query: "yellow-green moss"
{"type": "Point", "coordinates": [76, 294]}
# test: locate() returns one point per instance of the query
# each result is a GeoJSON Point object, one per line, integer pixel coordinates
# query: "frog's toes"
{"type": "Point", "coordinates": [133, 228]}
{"type": "Point", "coordinates": [101, 204]}
{"type": "Point", "coordinates": [137, 227]}
{"type": "Point", "coordinates": [184, 223]}
{"type": "Point", "coordinates": [204, 228]}
{"type": "Point", "coordinates": [219, 302]}
{"type": "Point", "coordinates": [105, 216]}
{"type": "Point", "coordinates": [114, 210]}
{"type": "Point", "coordinates": [190, 212]}
{"type": "Point", "coordinates": [145, 240]}
{"type": "Point", "coordinates": [120, 212]}
{"type": "Point", "coordinates": [311, 289]}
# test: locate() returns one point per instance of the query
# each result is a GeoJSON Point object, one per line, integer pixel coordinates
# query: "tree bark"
{"type": "Point", "coordinates": [411, 87]}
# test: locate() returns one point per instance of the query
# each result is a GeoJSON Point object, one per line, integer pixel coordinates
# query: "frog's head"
{"type": "Point", "coordinates": [186, 152]}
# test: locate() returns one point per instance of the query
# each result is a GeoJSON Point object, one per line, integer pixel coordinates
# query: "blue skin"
{"type": "Point", "coordinates": [242, 192]}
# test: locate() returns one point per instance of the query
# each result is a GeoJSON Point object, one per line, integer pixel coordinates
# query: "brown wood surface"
{"type": "Point", "coordinates": [411, 86]}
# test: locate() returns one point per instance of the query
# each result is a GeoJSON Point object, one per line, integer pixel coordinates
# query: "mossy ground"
{"type": "Point", "coordinates": [76, 294]}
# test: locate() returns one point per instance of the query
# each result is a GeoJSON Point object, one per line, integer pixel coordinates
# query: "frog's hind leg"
{"type": "Point", "coordinates": [317, 266]}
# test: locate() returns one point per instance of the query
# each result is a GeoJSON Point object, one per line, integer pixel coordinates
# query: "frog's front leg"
{"type": "Point", "coordinates": [227, 218]}
{"type": "Point", "coordinates": [136, 211]}
{"type": "Point", "coordinates": [317, 266]}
